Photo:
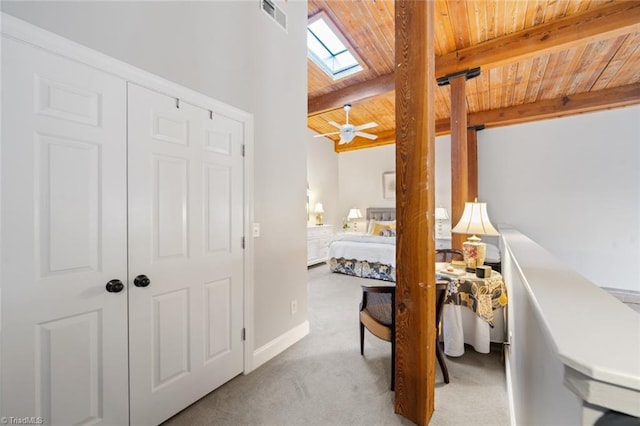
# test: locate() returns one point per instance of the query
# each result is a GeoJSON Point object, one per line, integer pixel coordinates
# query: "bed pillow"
{"type": "Point", "coordinates": [372, 223]}
{"type": "Point", "coordinates": [385, 230]}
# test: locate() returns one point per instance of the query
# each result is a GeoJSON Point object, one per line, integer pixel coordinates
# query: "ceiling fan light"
{"type": "Point", "coordinates": [347, 136]}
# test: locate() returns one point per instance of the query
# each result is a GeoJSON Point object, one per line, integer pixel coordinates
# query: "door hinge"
{"type": "Point", "coordinates": [243, 150]}
{"type": "Point", "coordinates": [244, 334]}
{"type": "Point", "coordinates": [242, 242]}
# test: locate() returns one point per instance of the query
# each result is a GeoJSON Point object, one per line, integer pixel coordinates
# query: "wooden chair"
{"type": "Point", "coordinates": [447, 255]}
{"type": "Point", "coordinates": [441, 296]}
{"type": "Point", "coordinates": [377, 314]}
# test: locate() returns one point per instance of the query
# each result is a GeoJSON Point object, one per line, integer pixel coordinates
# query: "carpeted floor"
{"type": "Point", "coordinates": [323, 380]}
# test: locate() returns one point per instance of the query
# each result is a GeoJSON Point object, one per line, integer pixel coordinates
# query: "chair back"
{"type": "Point", "coordinates": [447, 255]}
{"type": "Point", "coordinates": [377, 310]}
{"type": "Point", "coordinates": [377, 314]}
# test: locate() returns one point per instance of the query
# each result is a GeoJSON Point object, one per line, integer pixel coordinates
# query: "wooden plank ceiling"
{"type": "Point", "coordinates": [538, 59]}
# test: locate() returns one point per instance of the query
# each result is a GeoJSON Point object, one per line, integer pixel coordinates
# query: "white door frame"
{"type": "Point", "coordinates": [28, 33]}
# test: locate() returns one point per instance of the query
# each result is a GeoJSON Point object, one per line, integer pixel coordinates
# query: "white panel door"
{"type": "Point", "coordinates": [63, 224]}
{"type": "Point", "coordinates": [185, 230]}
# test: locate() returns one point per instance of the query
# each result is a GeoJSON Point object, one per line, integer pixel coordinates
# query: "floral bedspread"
{"type": "Point", "coordinates": [481, 295]}
{"type": "Point", "coordinates": [362, 269]}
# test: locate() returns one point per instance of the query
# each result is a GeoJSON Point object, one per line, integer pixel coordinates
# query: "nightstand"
{"type": "Point", "coordinates": [318, 239]}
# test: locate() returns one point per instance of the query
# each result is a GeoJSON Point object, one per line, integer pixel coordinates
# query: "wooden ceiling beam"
{"type": "Point", "coordinates": [563, 106]}
{"type": "Point", "coordinates": [559, 107]}
{"type": "Point", "coordinates": [608, 21]}
{"type": "Point", "coordinates": [350, 94]}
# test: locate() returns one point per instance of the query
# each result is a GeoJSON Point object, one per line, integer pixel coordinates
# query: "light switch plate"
{"type": "Point", "coordinates": [256, 229]}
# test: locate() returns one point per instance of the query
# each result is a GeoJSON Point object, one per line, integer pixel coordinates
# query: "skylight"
{"type": "Point", "coordinates": [328, 51]}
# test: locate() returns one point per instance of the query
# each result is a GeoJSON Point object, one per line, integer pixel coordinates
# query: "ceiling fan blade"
{"type": "Point", "coordinates": [366, 126]}
{"type": "Point", "coordinates": [367, 135]}
{"type": "Point", "coordinates": [334, 124]}
{"type": "Point", "coordinates": [326, 134]}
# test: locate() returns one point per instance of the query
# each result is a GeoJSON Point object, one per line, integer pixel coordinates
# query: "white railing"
{"type": "Point", "coordinates": [574, 349]}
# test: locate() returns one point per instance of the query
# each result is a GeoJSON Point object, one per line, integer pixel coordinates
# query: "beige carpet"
{"type": "Point", "coordinates": [323, 380]}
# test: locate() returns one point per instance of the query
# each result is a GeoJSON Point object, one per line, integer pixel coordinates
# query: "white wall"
{"type": "Point", "coordinates": [322, 175]}
{"type": "Point", "coordinates": [573, 186]}
{"type": "Point", "coordinates": [233, 52]}
{"type": "Point", "coordinates": [443, 172]}
{"type": "Point", "coordinates": [360, 184]}
{"type": "Point", "coordinates": [361, 176]}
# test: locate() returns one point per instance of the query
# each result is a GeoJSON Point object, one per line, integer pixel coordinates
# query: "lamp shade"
{"type": "Point", "coordinates": [441, 213]}
{"type": "Point", "coordinates": [354, 214]}
{"type": "Point", "coordinates": [318, 208]}
{"type": "Point", "coordinates": [475, 221]}
{"type": "Point", "coordinates": [347, 137]}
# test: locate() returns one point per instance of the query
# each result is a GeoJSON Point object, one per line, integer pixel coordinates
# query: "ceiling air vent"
{"type": "Point", "coordinates": [277, 14]}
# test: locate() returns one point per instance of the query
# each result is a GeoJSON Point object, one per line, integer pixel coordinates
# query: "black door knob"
{"type": "Point", "coordinates": [114, 286]}
{"type": "Point", "coordinates": [141, 281]}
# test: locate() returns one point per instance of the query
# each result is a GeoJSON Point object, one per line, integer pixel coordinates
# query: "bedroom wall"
{"type": "Point", "coordinates": [235, 53]}
{"type": "Point", "coordinates": [361, 176]}
{"type": "Point", "coordinates": [322, 175]}
{"type": "Point", "coordinates": [360, 182]}
{"type": "Point", "coordinates": [573, 186]}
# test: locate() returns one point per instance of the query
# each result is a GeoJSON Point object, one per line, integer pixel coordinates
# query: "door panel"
{"type": "Point", "coordinates": [69, 393]}
{"type": "Point", "coordinates": [63, 222]}
{"type": "Point", "coordinates": [170, 343]}
{"type": "Point", "coordinates": [217, 319]}
{"type": "Point", "coordinates": [218, 207]}
{"type": "Point", "coordinates": [185, 227]}
{"type": "Point", "coordinates": [171, 207]}
{"type": "Point", "coordinates": [69, 175]}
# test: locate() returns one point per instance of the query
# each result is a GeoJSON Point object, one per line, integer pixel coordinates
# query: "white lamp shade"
{"type": "Point", "coordinates": [319, 208]}
{"type": "Point", "coordinates": [347, 137]}
{"type": "Point", "coordinates": [354, 214]}
{"type": "Point", "coordinates": [441, 213]}
{"type": "Point", "coordinates": [475, 221]}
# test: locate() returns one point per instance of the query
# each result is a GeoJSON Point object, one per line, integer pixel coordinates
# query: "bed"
{"type": "Point", "coordinates": [367, 255]}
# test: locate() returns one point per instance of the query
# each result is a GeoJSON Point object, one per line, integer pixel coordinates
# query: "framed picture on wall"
{"type": "Point", "coordinates": [389, 185]}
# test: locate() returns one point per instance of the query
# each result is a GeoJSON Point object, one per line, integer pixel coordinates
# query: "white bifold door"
{"type": "Point", "coordinates": [185, 215]}
{"type": "Point", "coordinates": [121, 236]}
{"type": "Point", "coordinates": [64, 240]}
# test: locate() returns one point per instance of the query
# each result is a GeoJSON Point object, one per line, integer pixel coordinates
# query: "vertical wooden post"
{"type": "Point", "coordinates": [460, 178]}
{"type": "Point", "coordinates": [472, 162]}
{"type": "Point", "coordinates": [415, 202]}
{"type": "Point", "coordinates": [459, 155]}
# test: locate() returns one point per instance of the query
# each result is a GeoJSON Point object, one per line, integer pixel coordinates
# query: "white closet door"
{"type": "Point", "coordinates": [185, 230]}
{"type": "Point", "coordinates": [63, 225]}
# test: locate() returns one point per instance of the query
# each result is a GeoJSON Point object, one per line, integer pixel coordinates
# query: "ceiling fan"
{"type": "Point", "coordinates": [349, 131]}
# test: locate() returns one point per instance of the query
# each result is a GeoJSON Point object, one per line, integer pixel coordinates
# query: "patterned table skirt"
{"type": "Point", "coordinates": [482, 296]}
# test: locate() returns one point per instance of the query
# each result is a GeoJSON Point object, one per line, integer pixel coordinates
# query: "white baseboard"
{"type": "Point", "coordinates": [278, 345]}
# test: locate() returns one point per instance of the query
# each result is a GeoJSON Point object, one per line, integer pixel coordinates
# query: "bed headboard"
{"type": "Point", "coordinates": [381, 213]}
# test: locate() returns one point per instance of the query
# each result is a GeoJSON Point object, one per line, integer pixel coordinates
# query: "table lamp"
{"type": "Point", "coordinates": [353, 215]}
{"type": "Point", "coordinates": [441, 213]}
{"type": "Point", "coordinates": [474, 221]}
{"type": "Point", "coordinates": [318, 210]}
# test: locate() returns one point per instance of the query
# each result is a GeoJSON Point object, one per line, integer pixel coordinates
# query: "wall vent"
{"type": "Point", "coordinates": [275, 12]}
